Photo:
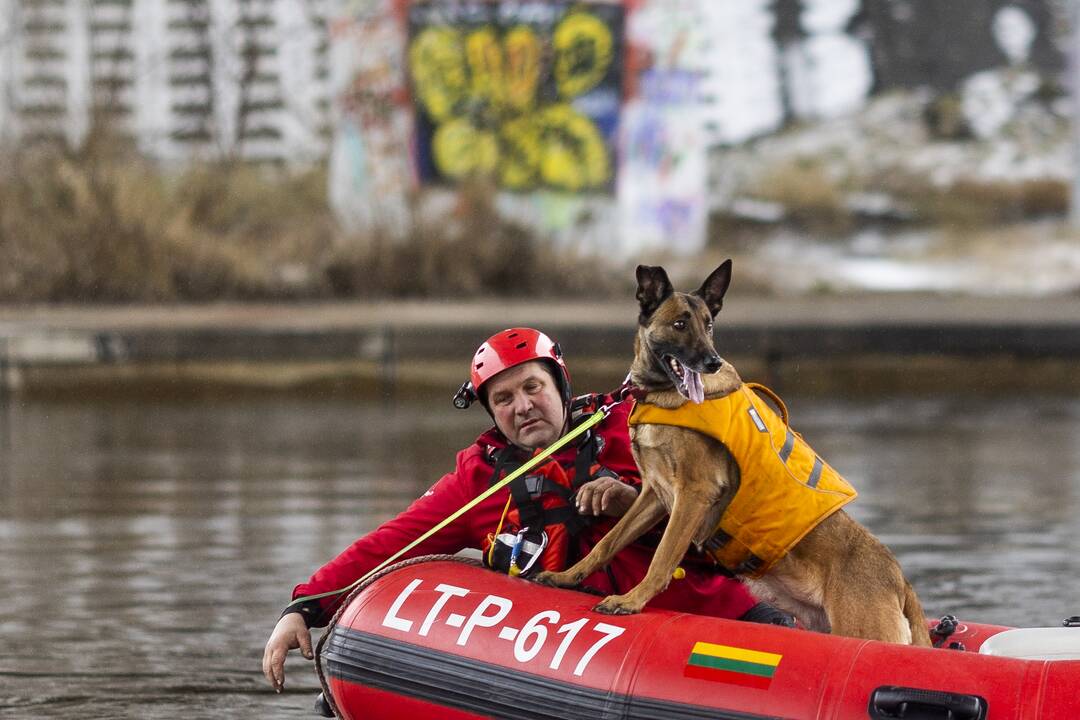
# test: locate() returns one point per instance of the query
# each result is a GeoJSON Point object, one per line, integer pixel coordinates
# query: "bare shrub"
{"type": "Point", "coordinates": [72, 226]}
{"type": "Point", "coordinates": [476, 252]}
{"type": "Point", "coordinates": [106, 225]}
{"type": "Point", "coordinates": [974, 203]}
{"type": "Point", "coordinates": [810, 196]}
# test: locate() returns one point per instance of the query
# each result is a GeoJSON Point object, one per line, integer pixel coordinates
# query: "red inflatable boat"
{"type": "Point", "coordinates": [445, 638]}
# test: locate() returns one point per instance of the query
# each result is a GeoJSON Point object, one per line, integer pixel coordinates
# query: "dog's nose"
{"type": "Point", "coordinates": [713, 364]}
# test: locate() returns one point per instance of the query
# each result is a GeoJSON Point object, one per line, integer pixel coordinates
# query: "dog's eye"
{"type": "Point", "coordinates": [679, 324]}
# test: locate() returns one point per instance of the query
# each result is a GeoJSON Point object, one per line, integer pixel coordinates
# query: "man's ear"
{"type": "Point", "coordinates": [715, 286]}
{"type": "Point", "coordinates": [652, 289]}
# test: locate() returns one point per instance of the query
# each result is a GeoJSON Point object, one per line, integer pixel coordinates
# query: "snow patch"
{"type": "Point", "coordinates": [1024, 263]}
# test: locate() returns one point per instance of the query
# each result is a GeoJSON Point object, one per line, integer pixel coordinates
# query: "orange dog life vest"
{"type": "Point", "coordinates": [785, 490]}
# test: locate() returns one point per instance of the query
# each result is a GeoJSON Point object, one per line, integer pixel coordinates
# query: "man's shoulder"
{"type": "Point", "coordinates": [471, 467]}
{"type": "Point", "coordinates": [477, 452]}
{"type": "Point", "coordinates": [481, 452]}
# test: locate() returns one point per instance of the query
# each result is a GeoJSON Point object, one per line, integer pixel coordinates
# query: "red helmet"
{"type": "Point", "coordinates": [504, 350]}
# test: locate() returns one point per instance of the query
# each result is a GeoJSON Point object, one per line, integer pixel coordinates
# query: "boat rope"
{"type": "Point", "coordinates": [360, 586]}
{"type": "Point", "coordinates": [593, 419]}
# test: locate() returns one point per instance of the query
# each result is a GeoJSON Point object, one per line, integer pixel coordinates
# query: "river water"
{"type": "Point", "coordinates": [148, 546]}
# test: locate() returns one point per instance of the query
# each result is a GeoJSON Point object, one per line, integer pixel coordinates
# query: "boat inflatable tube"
{"type": "Point", "coordinates": [445, 638]}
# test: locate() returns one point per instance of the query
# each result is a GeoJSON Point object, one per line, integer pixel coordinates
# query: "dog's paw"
{"type": "Point", "coordinates": [615, 605]}
{"type": "Point", "coordinates": [553, 579]}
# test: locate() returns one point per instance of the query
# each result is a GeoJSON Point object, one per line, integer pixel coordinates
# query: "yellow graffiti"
{"type": "Point", "coordinates": [572, 150]}
{"type": "Point", "coordinates": [559, 146]}
{"type": "Point", "coordinates": [583, 53]}
{"type": "Point", "coordinates": [519, 168]}
{"type": "Point", "coordinates": [438, 73]}
{"type": "Point", "coordinates": [522, 67]}
{"type": "Point", "coordinates": [462, 151]}
{"type": "Point", "coordinates": [489, 75]}
{"type": "Point", "coordinates": [486, 66]}
{"type": "Point", "coordinates": [482, 91]}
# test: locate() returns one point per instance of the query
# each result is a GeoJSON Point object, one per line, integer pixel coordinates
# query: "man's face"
{"type": "Point", "coordinates": [526, 405]}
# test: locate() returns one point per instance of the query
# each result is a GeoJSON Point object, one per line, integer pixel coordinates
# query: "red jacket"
{"type": "Point", "coordinates": [703, 591]}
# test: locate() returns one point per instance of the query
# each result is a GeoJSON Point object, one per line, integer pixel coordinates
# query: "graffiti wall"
{"type": "Point", "coordinates": [595, 117]}
{"type": "Point", "coordinates": [371, 175]}
{"type": "Point", "coordinates": [525, 93]}
{"type": "Point", "coordinates": [709, 75]}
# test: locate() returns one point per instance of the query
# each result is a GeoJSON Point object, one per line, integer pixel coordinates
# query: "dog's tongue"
{"type": "Point", "coordinates": [694, 388]}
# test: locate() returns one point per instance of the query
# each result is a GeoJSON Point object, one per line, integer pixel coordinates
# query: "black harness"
{"type": "Point", "coordinates": [527, 490]}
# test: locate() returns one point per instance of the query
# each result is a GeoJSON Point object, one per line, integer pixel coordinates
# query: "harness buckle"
{"type": "Point", "coordinates": [619, 395]}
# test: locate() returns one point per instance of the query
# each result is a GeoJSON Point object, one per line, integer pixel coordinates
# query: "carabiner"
{"type": "Point", "coordinates": [532, 549]}
{"type": "Point", "coordinates": [514, 570]}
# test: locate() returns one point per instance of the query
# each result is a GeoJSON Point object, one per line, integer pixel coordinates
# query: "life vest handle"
{"type": "Point", "coordinates": [593, 419]}
{"type": "Point", "coordinates": [761, 389]}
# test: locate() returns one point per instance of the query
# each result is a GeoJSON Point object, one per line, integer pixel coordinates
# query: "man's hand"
{"type": "Point", "coordinates": [289, 633]}
{"type": "Point", "coordinates": [606, 495]}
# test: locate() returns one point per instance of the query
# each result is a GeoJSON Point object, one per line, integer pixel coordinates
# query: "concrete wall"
{"type": "Point", "coordinates": [695, 74]}
{"type": "Point", "coordinates": [938, 44]}
{"type": "Point", "coordinates": [624, 171]}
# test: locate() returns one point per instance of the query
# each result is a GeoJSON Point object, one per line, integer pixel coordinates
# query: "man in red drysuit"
{"type": "Point", "coordinates": [520, 377]}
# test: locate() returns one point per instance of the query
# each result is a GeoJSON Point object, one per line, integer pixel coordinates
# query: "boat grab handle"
{"type": "Point", "coordinates": [891, 701]}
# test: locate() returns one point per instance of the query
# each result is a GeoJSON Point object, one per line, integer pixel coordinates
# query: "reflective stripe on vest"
{"type": "Point", "coordinates": [785, 489]}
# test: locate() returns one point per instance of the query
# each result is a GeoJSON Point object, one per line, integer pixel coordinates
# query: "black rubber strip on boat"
{"type": "Point", "coordinates": [485, 689]}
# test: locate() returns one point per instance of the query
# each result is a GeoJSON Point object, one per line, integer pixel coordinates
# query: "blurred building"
{"type": "Point", "coordinates": [184, 78]}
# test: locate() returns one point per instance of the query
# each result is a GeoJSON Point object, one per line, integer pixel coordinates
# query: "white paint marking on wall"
{"type": "Point", "coordinates": [1014, 31]}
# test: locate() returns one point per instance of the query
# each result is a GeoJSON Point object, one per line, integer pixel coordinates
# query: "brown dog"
{"type": "Point", "coordinates": [829, 572]}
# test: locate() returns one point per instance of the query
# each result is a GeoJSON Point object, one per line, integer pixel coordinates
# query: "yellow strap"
{"type": "Point", "coordinates": [498, 529]}
{"type": "Point", "coordinates": [536, 460]}
{"type": "Point", "coordinates": [772, 396]}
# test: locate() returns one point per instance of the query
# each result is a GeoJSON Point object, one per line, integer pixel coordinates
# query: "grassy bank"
{"type": "Point", "coordinates": [106, 225]}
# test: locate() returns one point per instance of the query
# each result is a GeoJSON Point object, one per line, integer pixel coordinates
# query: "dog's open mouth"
{"type": "Point", "coordinates": [687, 381]}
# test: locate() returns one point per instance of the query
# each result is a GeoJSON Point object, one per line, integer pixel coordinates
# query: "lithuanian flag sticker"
{"type": "Point", "coordinates": [723, 663]}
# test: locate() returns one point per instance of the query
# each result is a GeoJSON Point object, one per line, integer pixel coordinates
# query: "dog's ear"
{"type": "Point", "coordinates": [653, 287]}
{"type": "Point", "coordinates": [713, 289]}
